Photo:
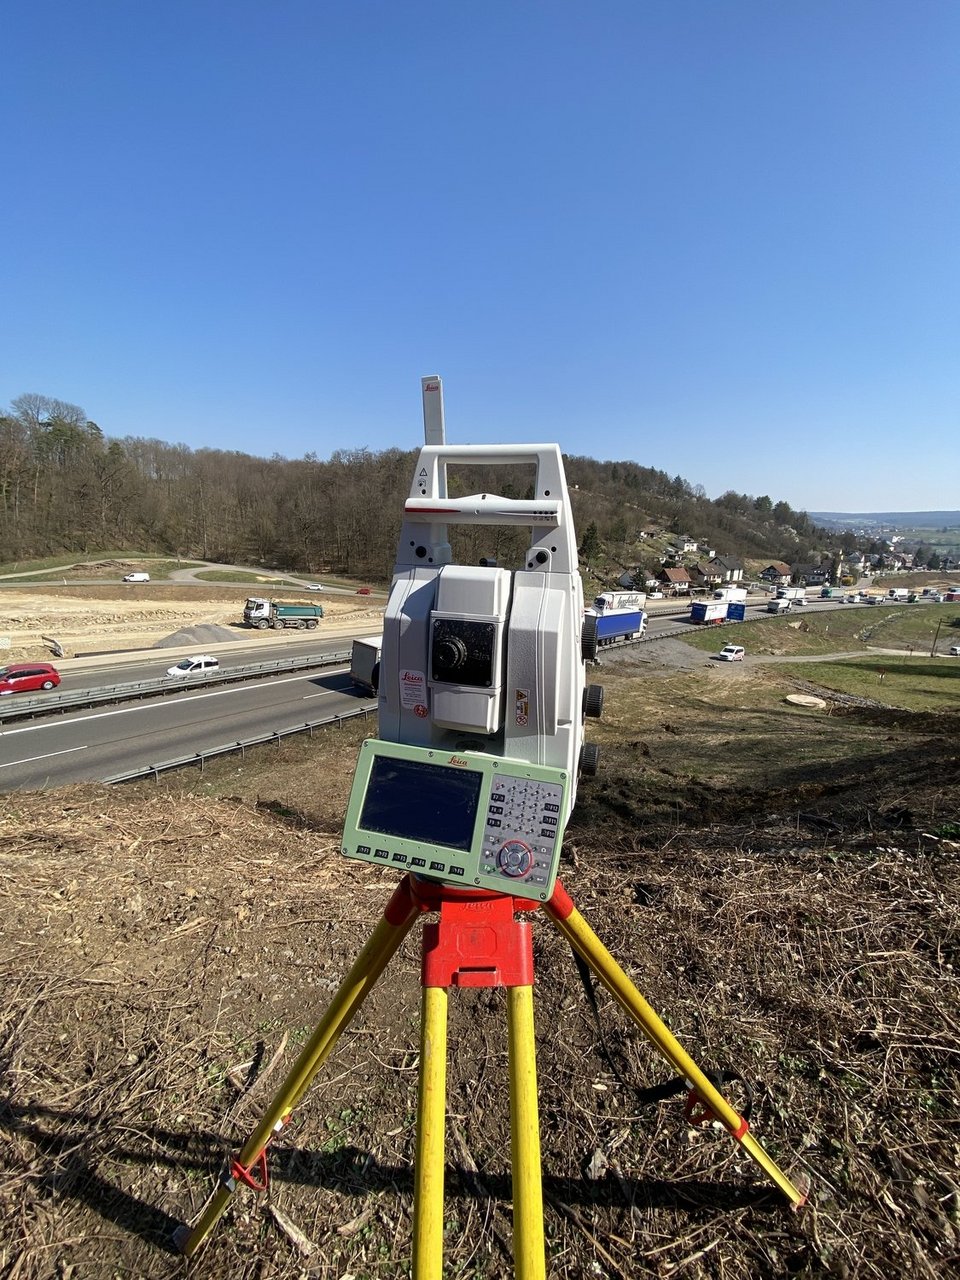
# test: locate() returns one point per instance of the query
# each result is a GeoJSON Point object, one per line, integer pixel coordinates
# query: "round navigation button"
{"type": "Point", "coordinates": [515, 858]}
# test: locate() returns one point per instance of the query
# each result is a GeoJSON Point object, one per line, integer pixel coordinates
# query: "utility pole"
{"type": "Point", "coordinates": [933, 647]}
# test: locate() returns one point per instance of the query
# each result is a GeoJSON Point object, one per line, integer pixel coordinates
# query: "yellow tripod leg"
{"type": "Point", "coordinates": [529, 1255]}
{"type": "Point", "coordinates": [431, 1116]}
{"type": "Point", "coordinates": [398, 918]}
{"type": "Point", "coordinates": [581, 937]}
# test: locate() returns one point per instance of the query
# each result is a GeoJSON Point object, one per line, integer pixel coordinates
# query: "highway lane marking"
{"type": "Point", "coordinates": [49, 756]}
{"type": "Point", "coordinates": [146, 704]}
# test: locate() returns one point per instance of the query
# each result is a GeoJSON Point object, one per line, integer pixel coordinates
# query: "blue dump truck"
{"type": "Point", "coordinates": [262, 614]}
{"type": "Point", "coordinates": [619, 615]}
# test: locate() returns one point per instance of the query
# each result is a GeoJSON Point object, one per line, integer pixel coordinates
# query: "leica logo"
{"type": "Point", "coordinates": [457, 760]}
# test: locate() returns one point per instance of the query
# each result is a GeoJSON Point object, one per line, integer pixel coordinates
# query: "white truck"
{"type": "Point", "coordinates": [620, 600]}
{"type": "Point", "coordinates": [898, 593]}
{"type": "Point", "coordinates": [733, 594]}
{"type": "Point", "coordinates": [365, 664]}
{"type": "Point", "coordinates": [791, 593]}
{"type": "Point", "coordinates": [779, 605]}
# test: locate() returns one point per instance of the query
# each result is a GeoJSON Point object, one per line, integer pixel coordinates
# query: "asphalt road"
{"type": "Point", "coordinates": [96, 744]}
{"type": "Point", "coordinates": [152, 664]}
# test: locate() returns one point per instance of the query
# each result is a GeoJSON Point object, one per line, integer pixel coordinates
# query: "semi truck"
{"type": "Point", "coordinates": [617, 623]}
{"type": "Point", "coordinates": [619, 600]}
{"type": "Point", "coordinates": [730, 593]}
{"type": "Point", "coordinates": [898, 593]}
{"type": "Point", "coordinates": [791, 593]}
{"type": "Point", "coordinates": [261, 613]}
{"type": "Point", "coordinates": [365, 664]}
{"type": "Point", "coordinates": [780, 605]}
{"type": "Point", "coordinates": [708, 611]}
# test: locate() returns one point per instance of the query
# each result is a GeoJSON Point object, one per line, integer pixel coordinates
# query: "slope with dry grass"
{"type": "Point", "coordinates": [165, 951]}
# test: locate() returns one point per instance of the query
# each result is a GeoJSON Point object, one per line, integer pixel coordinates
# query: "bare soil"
{"type": "Point", "coordinates": [794, 916]}
{"type": "Point", "coordinates": [97, 618]}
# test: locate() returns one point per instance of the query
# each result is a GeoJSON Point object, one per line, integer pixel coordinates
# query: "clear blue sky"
{"type": "Point", "coordinates": [722, 239]}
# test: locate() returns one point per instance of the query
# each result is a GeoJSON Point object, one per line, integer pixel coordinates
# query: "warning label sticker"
{"type": "Point", "coordinates": [521, 706]}
{"type": "Point", "coordinates": [413, 690]}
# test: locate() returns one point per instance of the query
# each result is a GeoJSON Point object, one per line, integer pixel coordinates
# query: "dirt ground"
{"type": "Point", "coordinates": [789, 907]}
{"type": "Point", "coordinates": [165, 952]}
{"type": "Point", "coordinates": [99, 618]}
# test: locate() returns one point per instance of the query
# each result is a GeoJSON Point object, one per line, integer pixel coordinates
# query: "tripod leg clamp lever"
{"type": "Point", "coordinates": [696, 1111]}
{"type": "Point", "coordinates": [238, 1173]}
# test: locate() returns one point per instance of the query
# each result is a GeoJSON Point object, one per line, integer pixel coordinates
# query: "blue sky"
{"type": "Point", "coordinates": [720, 239]}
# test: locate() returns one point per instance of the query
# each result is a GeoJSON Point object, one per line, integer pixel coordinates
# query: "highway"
{"type": "Point", "coordinates": [98, 743]}
{"type": "Point", "coordinates": [92, 745]}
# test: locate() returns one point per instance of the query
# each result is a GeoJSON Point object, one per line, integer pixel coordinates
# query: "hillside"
{"type": "Point", "coordinates": [68, 489]}
{"type": "Point", "coordinates": [782, 887]}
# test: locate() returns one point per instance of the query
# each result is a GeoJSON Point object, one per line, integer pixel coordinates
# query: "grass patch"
{"type": "Point", "coordinates": [909, 684]}
{"type": "Point", "coordinates": [157, 569]}
{"type": "Point", "coordinates": [256, 579]}
{"type": "Point", "coordinates": [61, 562]}
{"type": "Point", "coordinates": [836, 631]}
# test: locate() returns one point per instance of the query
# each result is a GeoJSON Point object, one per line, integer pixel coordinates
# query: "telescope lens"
{"type": "Point", "coordinates": [462, 652]}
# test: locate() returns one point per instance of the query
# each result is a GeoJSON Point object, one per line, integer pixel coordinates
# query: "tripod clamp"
{"type": "Point", "coordinates": [238, 1173]}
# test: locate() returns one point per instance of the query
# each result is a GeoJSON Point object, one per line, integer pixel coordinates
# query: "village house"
{"type": "Point", "coordinates": [730, 570]}
{"type": "Point", "coordinates": [811, 575]}
{"type": "Point", "coordinates": [676, 581]}
{"type": "Point", "coordinates": [703, 574]}
{"type": "Point", "coordinates": [776, 574]}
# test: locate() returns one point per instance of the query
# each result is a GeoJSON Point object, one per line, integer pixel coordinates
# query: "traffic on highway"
{"type": "Point", "coordinates": [98, 743]}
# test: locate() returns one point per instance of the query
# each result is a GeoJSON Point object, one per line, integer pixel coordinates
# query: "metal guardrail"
{"type": "Point", "coordinates": [26, 708]}
{"type": "Point", "coordinates": [201, 757]}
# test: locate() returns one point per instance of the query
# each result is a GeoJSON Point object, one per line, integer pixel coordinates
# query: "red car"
{"type": "Point", "coordinates": [363, 591]}
{"type": "Point", "coordinates": [26, 677]}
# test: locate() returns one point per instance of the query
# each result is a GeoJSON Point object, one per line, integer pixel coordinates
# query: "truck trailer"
{"type": "Point", "coordinates": [791, 593]}
{"type": "Point", "coordinates": [780, 605]}
{"type": "Point", "coordinates": [617, 624]}
{"type": "Point", "coordinates": [730, 593]}
{"type": "Point", "coordinates": [365, 664]}
{"type": "Point", "coordinates": [708, 611]}
{"type": "Point", "coordinates": [261, 613]}
{"type": "Point", "coordinates": [619, 600]}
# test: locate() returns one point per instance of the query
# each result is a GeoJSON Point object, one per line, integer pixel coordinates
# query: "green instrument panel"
{"type": "Point", "coordinates": [462, 818]}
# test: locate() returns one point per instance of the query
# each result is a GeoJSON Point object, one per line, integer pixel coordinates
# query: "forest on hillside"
{"type": "Point", "coordinates": [65, 487]}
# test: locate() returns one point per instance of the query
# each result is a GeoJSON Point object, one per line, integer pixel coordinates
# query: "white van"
{"type": "Point", "coordinates": [731, 653]}
{"type": "Point", "coordinates": [137, 577]}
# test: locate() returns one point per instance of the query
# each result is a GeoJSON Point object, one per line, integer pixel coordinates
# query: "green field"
{"type": "Point", "coordinates": [56, 568]}
{"type": "Point", "coordinates": [909, 684]}
{"type": "Point", "coordinates": [839, 631]}
{"type": "Point", "coordinates": [254, 579]}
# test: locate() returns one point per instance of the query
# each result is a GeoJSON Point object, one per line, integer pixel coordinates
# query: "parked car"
{"type": "Point", "coordinates": [363, 591]}
{"type": "Point", "coordinates": [27, 677]}
{"type": "Point", "coordinates": [731, 653]}
{"type": "Point", "coordinates": [655, 595]}
{"type": "Point", "coordinates": [199, 664]}
{"type": "Point", "coordinates": [137, 577]}
{"type": "Point", "coordinates": [955, 651]}
{"type": "Point", "coordinates": [315, 586]}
